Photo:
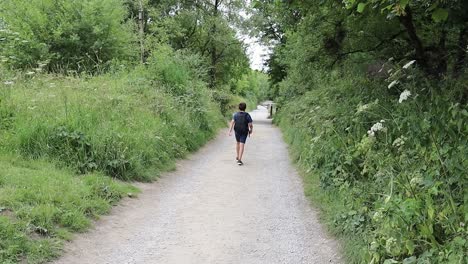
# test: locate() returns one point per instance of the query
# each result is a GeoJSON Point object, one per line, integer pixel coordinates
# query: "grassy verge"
{"type": "Point", "coordinates": [40, 205]}
{"type": "Point", "coordinates": [389, 175]}
{"type": "Point", "coordinates": [68, 143]}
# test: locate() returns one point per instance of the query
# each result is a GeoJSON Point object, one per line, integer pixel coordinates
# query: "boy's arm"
{"type": "Point", "coordinates": [231, 126]}
{"type": "Point", "coordinates": [250, 125]}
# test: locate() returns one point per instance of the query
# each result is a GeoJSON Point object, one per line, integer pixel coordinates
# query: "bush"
{"type": "Point", "coordinates": [64, 35]}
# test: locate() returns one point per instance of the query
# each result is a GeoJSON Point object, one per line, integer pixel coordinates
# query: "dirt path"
{"type": "Point", "coordinates": [213, 211]}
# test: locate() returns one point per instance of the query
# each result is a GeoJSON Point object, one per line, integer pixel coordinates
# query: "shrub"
{"type": "Point", "coordinates": [64, 35]}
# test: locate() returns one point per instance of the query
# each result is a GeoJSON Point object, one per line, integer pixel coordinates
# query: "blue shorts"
{"type": "Point", "coordinates": [241, 138]}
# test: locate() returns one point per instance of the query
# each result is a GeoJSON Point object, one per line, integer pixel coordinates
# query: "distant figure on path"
{"type": "Point", "coordinates": [242, 124]}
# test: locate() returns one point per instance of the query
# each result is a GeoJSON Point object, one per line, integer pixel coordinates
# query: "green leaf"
{"type": "Point", "coordinates": [410, 247]}
{"type": "Point", "coordinates": [361, 7]}
{"type": "Point", "coordinates": [387, 8]}
{"type": "Point", "coordinates": [257, 4]}
{"type": "Point", "coordinates": [440, 15]}
{"type": "Point", "coordinates": [409, 260]}
{"type": "Point", "coordinates": [404, 3]}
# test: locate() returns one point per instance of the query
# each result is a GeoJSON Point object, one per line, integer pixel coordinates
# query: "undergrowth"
{"type": "Point", "coordinates": [387, 166]}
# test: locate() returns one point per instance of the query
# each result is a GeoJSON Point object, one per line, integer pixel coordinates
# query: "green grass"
{"type": "Point", "coordinates": [120, 125]}
{"type": "Point", "coordinates": [40, 205]}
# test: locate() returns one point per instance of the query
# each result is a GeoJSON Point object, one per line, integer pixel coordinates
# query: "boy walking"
{"type": "Point", "coordinates": [242, 124]}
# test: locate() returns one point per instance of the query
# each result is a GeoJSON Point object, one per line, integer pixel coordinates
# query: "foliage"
{"type": "Point", "coordinates": [317, 34]}
{"type": "Point", "coordinates": [125, 125]}
{"type": "Point", "coordinates": [253, 85]}
{"type": "Point", "coordinates": [391, 169]}
{"type": "Point", "coordinates": [130, 125]}
{"type": "Point", "coordinates": [77, 113]}
{"type": "Point", "coordinates": [372, 97]}
{"type": "Point", "coordinates": [64, 35]}
{"type": "Point", "coordinates": [204, 28]}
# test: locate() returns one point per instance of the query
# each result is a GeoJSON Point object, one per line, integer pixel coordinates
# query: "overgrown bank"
{"type": "Point", "coordinates": [373, 99]}
{"type": "Point", "coordinates": [97, 92]}
{"type": "Point", "coordinates": [386, 166]}
{"type": "Point", "coordinates": [65, 142]}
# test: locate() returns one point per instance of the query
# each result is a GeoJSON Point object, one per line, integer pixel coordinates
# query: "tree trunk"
{"type": "Point", "coordinates": [214, 56]}
{"type": "Point", "coordinates": [460, 59]}
{"type": "Point", "coordinates": [407, 22]}
{"type": "Point", "coordinates": [142, 31]}
{"type": "Point", "coordinates": [441, 55]}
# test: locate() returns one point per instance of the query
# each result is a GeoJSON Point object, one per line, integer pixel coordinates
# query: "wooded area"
{"type": "Point", "coordinates": [373, 99]}
{"type": "Point", "coordinates": [371, 94]}
{"type": "Point", "coordinates": [99, 89]}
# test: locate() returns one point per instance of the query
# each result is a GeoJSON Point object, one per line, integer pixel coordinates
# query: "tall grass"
{"type": "Point", "coordinates": [67, 142]}
{"type": "Point", "coordinates": [120, 125]}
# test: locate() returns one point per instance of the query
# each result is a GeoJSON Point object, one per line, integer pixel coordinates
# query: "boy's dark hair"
{"type": "Point", "coordinates": [242, 106]}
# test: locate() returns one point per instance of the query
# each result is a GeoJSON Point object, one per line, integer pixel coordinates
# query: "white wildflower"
{"type": "Point", "coordinates": [390, 59]}
{"type": "Point", "coordinates": [8, 82]}
{"type": "Point", "coordinates": [30, 73]}
{"type": "Point", "coordinates": [404, 96]}
{"type": "Point", "coordinates": [407, 65]}
{"type": "Point", "coordinates": [390, 246]}
{"type": "Point", "coordinates": [399, 142]}
{"type": "Point", "coordinates": [362, 108]}
{"type": "Point", "coordinates": [375, 128]}
{"type": "Point", "coordinates": [377, 216]}
{"type": "Point", "coordinates": [392, 84]}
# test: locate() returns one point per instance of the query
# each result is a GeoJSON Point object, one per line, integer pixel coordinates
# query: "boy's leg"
{"type": "Point", "coordinates": [241, 150]}
{"type": "Point", "coordinates": [237, 150]}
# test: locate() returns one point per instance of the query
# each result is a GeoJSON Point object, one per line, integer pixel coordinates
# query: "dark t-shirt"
{"type": "Point", "coordinates": [248, 118]}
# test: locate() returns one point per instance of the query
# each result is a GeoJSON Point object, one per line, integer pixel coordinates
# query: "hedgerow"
{"type": "Point", "coordinates": [386, 162]}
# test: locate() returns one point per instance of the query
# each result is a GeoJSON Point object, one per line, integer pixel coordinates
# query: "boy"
{"type": "Point", "coordinates": [242, 124]}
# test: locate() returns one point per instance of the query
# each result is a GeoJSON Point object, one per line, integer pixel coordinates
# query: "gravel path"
{"type": "Point", "coordinates": [211, 210]}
